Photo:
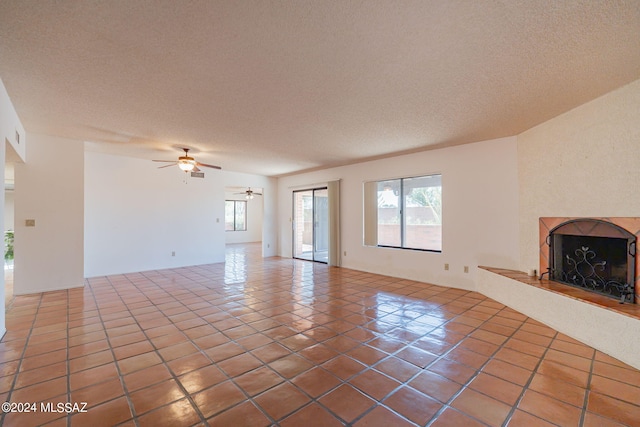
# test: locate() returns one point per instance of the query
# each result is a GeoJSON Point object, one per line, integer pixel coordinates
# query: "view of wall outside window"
{"type": "Point", "coordinates": [235, 215]}
{"type": "Point", "coordinates": [410, 213]}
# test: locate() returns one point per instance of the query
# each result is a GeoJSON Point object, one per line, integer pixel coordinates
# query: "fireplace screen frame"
{"type": "Point", "coordinates": [587, 227]}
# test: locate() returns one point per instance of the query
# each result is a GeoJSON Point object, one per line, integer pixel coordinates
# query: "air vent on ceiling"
{"type": "Point", "coordinates": [197, 174]}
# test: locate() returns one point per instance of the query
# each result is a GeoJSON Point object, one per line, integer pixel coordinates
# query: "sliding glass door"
{"type": "Point", "coordinates": [311, 224]}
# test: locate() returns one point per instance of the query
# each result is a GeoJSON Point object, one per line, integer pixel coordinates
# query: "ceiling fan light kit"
{"type": "Point", "coordinates": [249, 194]}
{"type": "Point", "coordinates": [186, 163]}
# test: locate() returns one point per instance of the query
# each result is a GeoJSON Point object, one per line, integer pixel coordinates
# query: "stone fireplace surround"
{"type": "Point", "coordinates": [594, 319]}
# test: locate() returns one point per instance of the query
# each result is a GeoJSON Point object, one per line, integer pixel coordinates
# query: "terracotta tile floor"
{"type": "Point", "coordinates": [284, 342]}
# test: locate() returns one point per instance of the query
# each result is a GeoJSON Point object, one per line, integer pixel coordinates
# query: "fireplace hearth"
{"type": "Point", "coordinates": [595, 255]}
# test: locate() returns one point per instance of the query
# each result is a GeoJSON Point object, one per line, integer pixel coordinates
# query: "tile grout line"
{"type": "Point", "coordinates": [164, 362]}
{"type": "Point", "coordinates": [478, 370]}
{"type": "Point", "coordinates": [187, 394]}
{"type": "Point", "coordinates": [342, 382]}
{"type": "Point", "coordinates": [339, 353]}
{"type": "Point", "coordinates": [22, 357]}
{"type": "Point", "coordinates": [134, 416]}
{"type": "Point", "coordinates": [440, 357]}
{"type": "Point", "coordinates": [378, 402]}
{"type": "Point", "coordinates": [587, 393]}
{"type": "Point", "coordinates": [525, 388]}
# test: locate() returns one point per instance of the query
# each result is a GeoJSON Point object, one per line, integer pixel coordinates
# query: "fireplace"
{"type": "Point", "coordinates": [595, 255]}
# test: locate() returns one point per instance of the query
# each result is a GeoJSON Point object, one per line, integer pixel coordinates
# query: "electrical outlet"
{"type": "Point", "coordinates": [345, 253]}
{"type": "Point", "coordinates": [446, 266]}
{"type": "Point", "coordinates": [466, 268]}
{"type": "Point", "coordinates": [173, 253]}
{"type": "Point", "coordinates": [268, 245]}
{"type": "Point", "coordinates": [29, 222]}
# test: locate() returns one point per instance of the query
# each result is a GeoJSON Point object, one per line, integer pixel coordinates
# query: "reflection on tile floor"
{"type": "Point", "coordinates": [286, 342]}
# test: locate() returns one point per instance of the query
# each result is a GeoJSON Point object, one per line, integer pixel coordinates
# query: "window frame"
{"type": "Point", "coordinates": [235, 215]}
{"type": "Point", "coordinates": [402, 214]}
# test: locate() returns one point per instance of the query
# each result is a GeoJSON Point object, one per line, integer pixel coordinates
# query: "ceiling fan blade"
{"type": "Point", "coordinates": [165, 161]}
{"type": "Point", "coordinates": [195, 169]}
{"type": "Point", "coordinates": [258, 194]}
{"type": "Point", "coordinates": [166, 166]}
{"type": "Point", "coordinates": [208, 166]}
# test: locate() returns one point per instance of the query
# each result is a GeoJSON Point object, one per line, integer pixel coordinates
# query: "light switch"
{"type": "Point", "coordinates": [30, 223]}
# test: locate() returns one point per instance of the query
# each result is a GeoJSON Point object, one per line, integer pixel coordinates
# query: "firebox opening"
{"type": "Point", "coordinates": [594, 255]}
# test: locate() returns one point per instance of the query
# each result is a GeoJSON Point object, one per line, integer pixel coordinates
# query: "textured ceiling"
{"type": "Point", "coordinates": [274, 87]}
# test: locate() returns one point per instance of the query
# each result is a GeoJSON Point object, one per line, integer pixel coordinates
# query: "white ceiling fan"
{"type": "Point", "coordinates": [186, 163]}
{"type": "Point", "coordinates": [249, 193]}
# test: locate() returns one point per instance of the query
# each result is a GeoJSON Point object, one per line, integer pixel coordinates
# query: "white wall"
{"type": "Point", "coordinates": [480, 211]}
{"type": "Point", "coordinates": [269, 206]}
{"type": "Point", "coordinates": [137, 215]}
{"type": "Point", "coordinates": [588, 323]}
{"type": "Point", "coordinates": [49, 189]}
{"type": "Point", "coordinates": [583, 163]}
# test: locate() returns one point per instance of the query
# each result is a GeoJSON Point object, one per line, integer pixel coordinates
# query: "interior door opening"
{"type": "Point", "coordinates": [311, 224]}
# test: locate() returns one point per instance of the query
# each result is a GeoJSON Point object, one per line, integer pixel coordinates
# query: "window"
{"type": "Point", "coordinates": [404, 213]}
{"type": "Point", "coordinates": [235, 215]}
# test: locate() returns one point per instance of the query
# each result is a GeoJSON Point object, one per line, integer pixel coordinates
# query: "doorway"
{"type": "Point", "coordinates": [11, 158]}
{"type": "Point", "coordinates": [311, 224]}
